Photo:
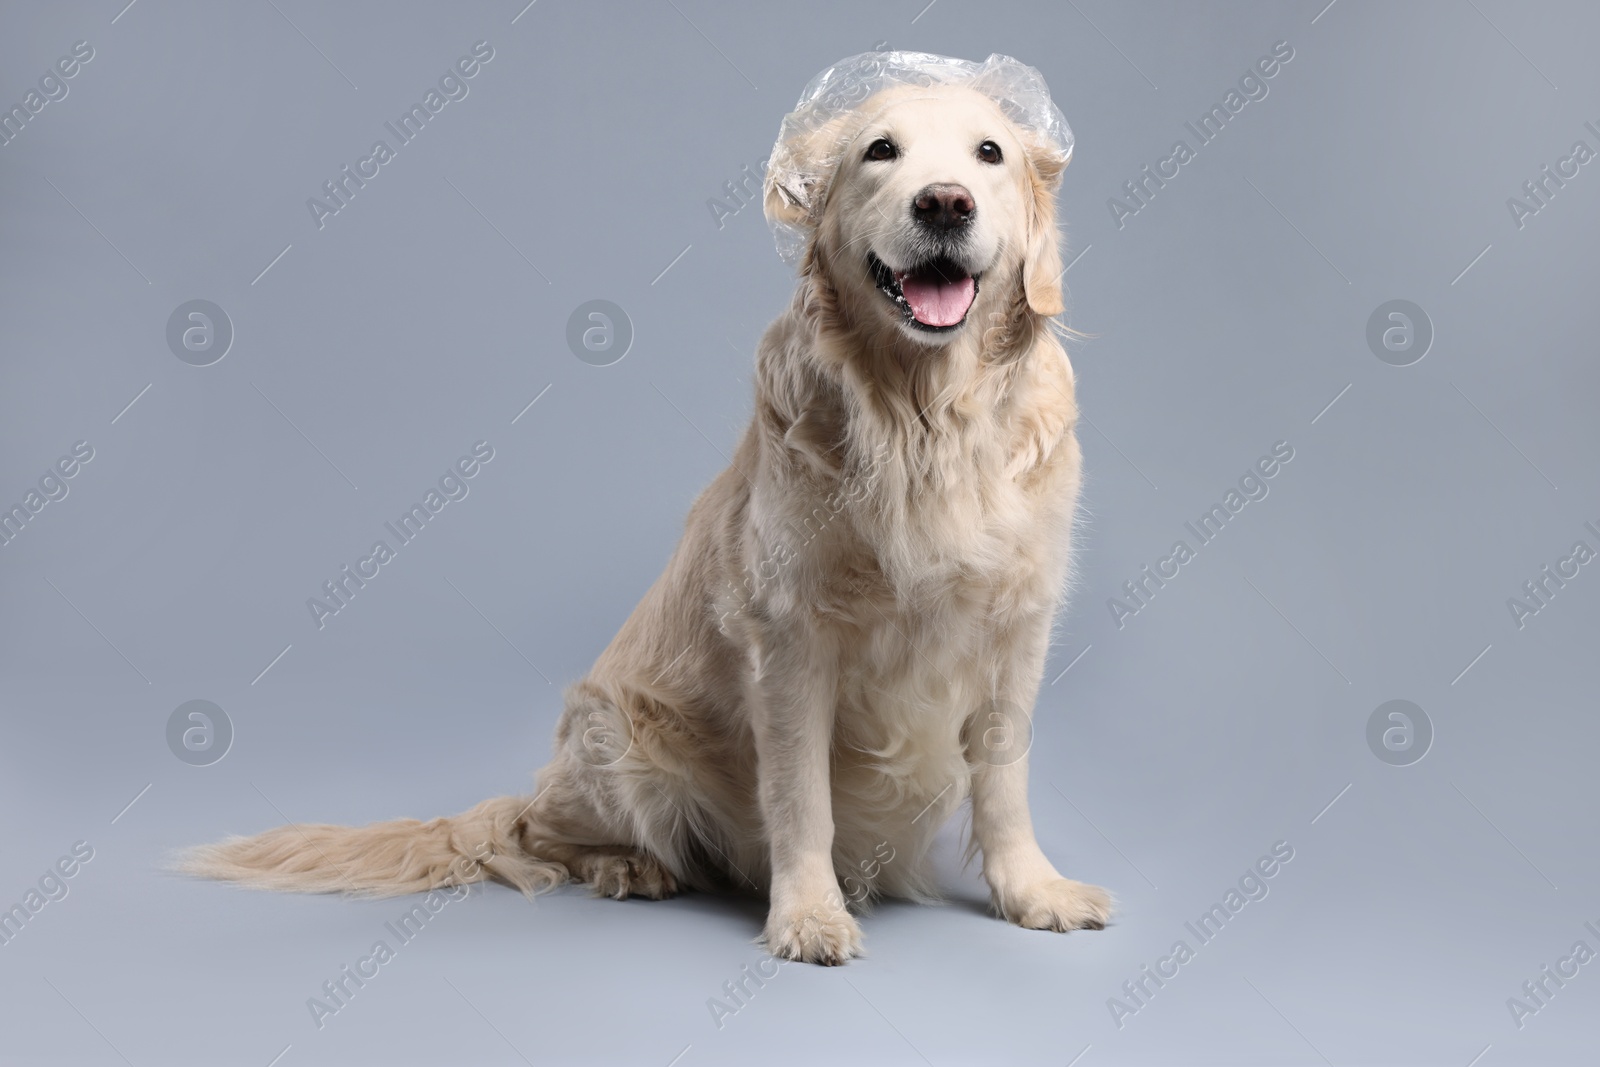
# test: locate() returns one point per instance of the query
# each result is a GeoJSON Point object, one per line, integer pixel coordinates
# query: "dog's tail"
{"type": "Point", "coordinates": [384, 859]}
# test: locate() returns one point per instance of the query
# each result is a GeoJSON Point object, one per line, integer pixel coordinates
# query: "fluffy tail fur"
{"type": "Point", "coordinates": [384, 859]}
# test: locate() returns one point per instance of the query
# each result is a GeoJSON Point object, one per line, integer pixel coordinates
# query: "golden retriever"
{"type": "Point", "coordinates": [849, 639]}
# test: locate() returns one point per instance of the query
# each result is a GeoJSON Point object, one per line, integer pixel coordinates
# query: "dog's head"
{"type": "Point", "coordinates": [926, 207]}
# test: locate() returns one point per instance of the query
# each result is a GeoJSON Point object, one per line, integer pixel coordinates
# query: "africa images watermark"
{"type": "Point", "coordinates": [452, 87]}
{"type": "Point", "coordinates": [1541, 190]}
{"type": "Point", "coordinates": [737, 992]}
{"type": "Point", "coordinates": [1252, 886]}
{"type": "Point", "coordinates": [340, 990]}
{"type": "Point", "coordinates": [52, 886]}
{"type": "Point", "coordinates": [1252, 86]}
{"type": "Point", "coordinates": [1252, 486]}
{"type": "Point", "coordinates": [342, 589]}
{"type": "Point", "coordinates": [745, 188]}
{"type": "Point", "coordinates": [53, 486]}
{"type": "Point", "coordinates": [1538, 992]}
{"type": "Point", "coordinates": [738, 193]}
{"type": "Point", "coordinates": [52, 88]}
{"type": "Point", "coordinates": [1542, 588]}
{"type": "Point", "coordinates": [853, 487]}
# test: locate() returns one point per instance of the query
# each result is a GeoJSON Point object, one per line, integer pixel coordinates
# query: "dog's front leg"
{"type": "Point", "coordinates": [793, 703]}
{"type": "Point", "coordinates": [1024, 886]}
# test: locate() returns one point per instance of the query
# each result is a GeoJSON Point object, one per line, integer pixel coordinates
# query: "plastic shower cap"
{"type": "Point", "coordinates": [1017, 88]}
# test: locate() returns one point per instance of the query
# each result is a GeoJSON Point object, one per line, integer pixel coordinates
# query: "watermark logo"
{"type": "Point", "coordinates": [1002, 733]}
{"type": "Point", "coordinates": [52, 89]}
{"type": "Point", "coordinates": [1251, 887]}
{"type": "Point", "coordinates": [1539, 590]}
{"type": "Point", "coordinates": [1399, 333]}
{"type": "Point", "coordinates": [50, 887]}
{"type": "Point", "coordinates": [1139, 591]}
{"type": "Point", "coordinates": [605, 734]}
{"type": "Point", "coordinates": [1399, 733]}
{"type": "Point", "coordinates": [1252, 86]}
{"type": "Point", "coordinates": [199, 733]}
{"type": "Point", "coordinates": [1539, 191]}
{"type": "Point", "coordinates": [52, 486]}
{"type": "Point", "coordinates": [853, 487]}
{"type": "Point", "coordinates": [1538, 992]}
{"type": "Point", "coordinates": [739, 991]}
{"type": "Point", "coordinates": [599, 333]}
{"type": "Point", "coordinates": [341, 989]}
{"type": "Point", "coordinates": [738, 193]}
{"type": "Point", "coordinates": [453, 485]}
{"type": "Point", "coordinates": [857, 888]}
{"type": "Point", "coordinates": [342, 189]}
{"type": "Point", "coordinates": [199, 333]}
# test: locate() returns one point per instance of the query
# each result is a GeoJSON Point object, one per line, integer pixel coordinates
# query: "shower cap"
{"type": "Point", "coordinates": [1017, 88]}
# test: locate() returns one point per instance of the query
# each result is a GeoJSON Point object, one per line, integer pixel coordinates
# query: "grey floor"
{"type": "Point", "coordinates": [1440, 860]}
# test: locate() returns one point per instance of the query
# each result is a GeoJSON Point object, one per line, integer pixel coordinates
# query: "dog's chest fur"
{"type": "Point", "coordinates": [945, 563]}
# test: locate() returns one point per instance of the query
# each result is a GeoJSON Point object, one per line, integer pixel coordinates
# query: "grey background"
{"type": "Point", "coordinates": [1226, 716]}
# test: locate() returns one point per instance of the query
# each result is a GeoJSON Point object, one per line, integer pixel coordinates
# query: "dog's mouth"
{"type": "Point", "coordinates": [933, 295]}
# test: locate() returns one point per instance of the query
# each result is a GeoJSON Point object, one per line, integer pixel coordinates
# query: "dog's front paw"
{"type": "Point", "coordinates": [1056, 904]}
{"type": "Point", "coordinates": [824, 934]}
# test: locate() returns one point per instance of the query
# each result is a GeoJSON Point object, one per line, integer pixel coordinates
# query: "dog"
{"type": "Point", "coordinates": [847, 643]}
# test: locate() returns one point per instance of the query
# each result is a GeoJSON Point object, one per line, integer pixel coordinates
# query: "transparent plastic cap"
{"type": "Point", "coordinates": [797, 170]}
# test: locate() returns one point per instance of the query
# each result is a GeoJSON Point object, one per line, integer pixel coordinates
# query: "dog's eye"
{"type": "Point", "coordinates": [989, 152]}
{"type": "Point", "coordinates": [880, 150]}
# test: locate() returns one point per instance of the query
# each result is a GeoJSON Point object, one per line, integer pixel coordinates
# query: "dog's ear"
{"type": "Point", "coordinates": [788, 201]}
{"type": "Point", "coordinates": [1041, 264]}
{"type": "Point", "coordinates": [799, 172]}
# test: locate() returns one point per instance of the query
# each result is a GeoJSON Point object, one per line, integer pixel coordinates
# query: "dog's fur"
{"type": "Point", "coordinates": [807, 692]}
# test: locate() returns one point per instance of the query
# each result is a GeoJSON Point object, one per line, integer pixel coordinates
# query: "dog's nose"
{"type": "Point", "coordinates": [944, 206]}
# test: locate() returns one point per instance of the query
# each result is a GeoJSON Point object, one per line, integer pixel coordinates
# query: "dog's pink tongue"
{"type": "Point", "coordinates": [936, 302]}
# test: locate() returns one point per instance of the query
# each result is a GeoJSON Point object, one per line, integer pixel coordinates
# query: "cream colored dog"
{"type": "Point", "coordinates": [848, 642]}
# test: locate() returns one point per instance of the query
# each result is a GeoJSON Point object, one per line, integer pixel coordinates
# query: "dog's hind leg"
{"type": "Point", "coordinates": [619, 872]}
{"type": "Point", "coordinates": [603, 810]}
{"type": "Point", "coordinates": [567, 824]}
